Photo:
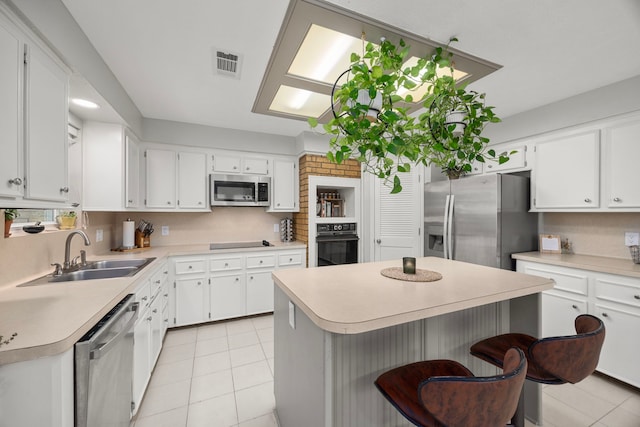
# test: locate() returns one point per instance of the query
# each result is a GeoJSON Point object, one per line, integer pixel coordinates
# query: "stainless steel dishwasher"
{"type": "Point", "coordinates": [104, 369]}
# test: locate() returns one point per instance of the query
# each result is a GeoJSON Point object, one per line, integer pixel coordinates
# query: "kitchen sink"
{"type": "Point", "coordinates": [101, 269]}
{"type": "Point", "coordinates": [89, 274]}
{"type": "Point", "coordinates": [116, 263]}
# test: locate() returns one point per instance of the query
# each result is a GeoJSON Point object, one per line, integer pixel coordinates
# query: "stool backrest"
{"type": "Point", "coordinates": [476, 401]}
{"type": "Point", "coordinates": [571, 358]}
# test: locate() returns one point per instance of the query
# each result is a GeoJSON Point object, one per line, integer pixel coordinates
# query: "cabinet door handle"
{"type": "Point", "coordinates": [130, 201]}
{"type": "Point", "coordinates": [168, 202]}
{"type": "Point", "coordinates": [290, 259]}
{"type": "Point", "coordinates": [155, 310]}
{"type": "Point", "coordinates": [199, 283]}
{"type": "Point", "coordinates": [166, 295]}
{"type": "Point", "coordinates": [158, 281]}
{"type": "Point", "coordinates": [605, 315]}
{"type": "Point", "coordinates": [149, 318]}
{"type": "Point", "coordinates": [636, 296]}
{"type": "Point", "coordinates": [378, 241]}
{"type": "Point", "coordinates": [190, 267]}
{"type": "Point", "coordinates": [617, 199]}
{"type": "Point", "coordinates": [587, 200]}
{"type": "Point", "coordinates": [574, 306]}
{"type": "Point", "coordinates": [16, 181]}
{"type": "Point", "coordinates": [64, 189]}
{"type": "Point", "coordinates": [237, 279]}
{"type": "Point", "coordinates": [226, 264]}
{"type": "Point", "coordinates": [145, 298]}
{"type": "Point", "coordinates": [260, 261]}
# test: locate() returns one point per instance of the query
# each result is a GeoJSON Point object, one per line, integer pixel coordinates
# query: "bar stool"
{"type": "Point", "coordinates": [439, 393]}
{"type": "Point", "coordinates": [553, 360]}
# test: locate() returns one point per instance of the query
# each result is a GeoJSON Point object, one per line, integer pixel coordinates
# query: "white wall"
{"type": "Point", "coordinates": [608, 101]}
{"type": "Point", "coordinates": [170, 132]}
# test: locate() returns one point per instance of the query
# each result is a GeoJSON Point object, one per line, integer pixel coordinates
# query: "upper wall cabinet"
{"type": "Point", "coordinates": [285, 186]}
{"type": "Point", "coordinates": [176, 180]}
{"type": "Point", "coordinates": [33, 120]}
{"type": "Point", "coordinates": [235, 163]}
{"type": "Point", "coordinates": [590, 169]}
{"type": "Point", "coordinates": [110, 168]}
{"type": "Point", "coordinates": [567, 173]}
{"type": "Point", "coordinates": [621, 156]}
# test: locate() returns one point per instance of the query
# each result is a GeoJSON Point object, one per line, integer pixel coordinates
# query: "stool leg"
{"type": "Point", "coordinates": [518, 417]}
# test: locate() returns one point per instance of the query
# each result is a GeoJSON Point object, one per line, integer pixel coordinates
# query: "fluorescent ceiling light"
{"type": "Point", "coordinates": [85, 103]}
{"type": "Point", "coordinates": [314, 47]}
{"type": "Point", "coordinates": [419, 91]}
{"type": "Point", "coordinates": [300, 102]}
{"type": "Point", "coordinates": [324, 54]}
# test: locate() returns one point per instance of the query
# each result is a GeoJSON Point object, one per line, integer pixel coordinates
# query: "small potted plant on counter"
{"type": "Point", "coordinates": [66, 220]}
{"type": "Point", "coordinates": [9, 216]}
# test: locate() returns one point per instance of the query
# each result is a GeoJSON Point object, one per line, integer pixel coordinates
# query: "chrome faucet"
{"type": "Point", "coordinates": [67, 248]}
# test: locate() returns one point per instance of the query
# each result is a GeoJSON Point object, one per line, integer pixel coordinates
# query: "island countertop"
{"type": "Point", "coordinates": [356, 298]}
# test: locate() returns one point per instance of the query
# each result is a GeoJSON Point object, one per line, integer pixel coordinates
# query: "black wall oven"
{"type": "Point", "coordinates": [336, 244]}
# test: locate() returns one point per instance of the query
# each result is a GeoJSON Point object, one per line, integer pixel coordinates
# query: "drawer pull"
{"type": "Point", "coordinates": [587, 200]}
{"type": "Point", "coordinates": [574, 306]}
{"type": "Point", "coordinates": [226, 264]}
{"type": "Point", "coordinates": [605, 315]}
{"type": "Point", "coordinates": [199, 283]}
{"type": "Point", "coordinates": [237, 279]}
{"type": "Point", "coordinates": [617, 199]}
{"type": "Point", "coordinates": [190, 267]}
{"type": "Point", "coordinates": [290, 259]}
{"type": "Point", "coordinates": [636, 296]}
{"type": "Point", "coordinates": [260, 261]}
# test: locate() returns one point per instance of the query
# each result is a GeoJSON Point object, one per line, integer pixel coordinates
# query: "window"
{"type": "Point", "coordinates": [31, 216]}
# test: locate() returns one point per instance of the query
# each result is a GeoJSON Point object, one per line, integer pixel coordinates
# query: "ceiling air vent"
{"type": "Point", "coordinates": [227, 63]}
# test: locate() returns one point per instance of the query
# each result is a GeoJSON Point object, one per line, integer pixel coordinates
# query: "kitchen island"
{"type": "Point", "coordinates": [337, 328]}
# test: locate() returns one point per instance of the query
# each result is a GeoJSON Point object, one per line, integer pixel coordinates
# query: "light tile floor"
{"type": "Point", "coordinates": [221, 375]}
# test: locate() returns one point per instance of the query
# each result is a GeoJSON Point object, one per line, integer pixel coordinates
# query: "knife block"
{"type": "Point", "coordinates": [142, 241]}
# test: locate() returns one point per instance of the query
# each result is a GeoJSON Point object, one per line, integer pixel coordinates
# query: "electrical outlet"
{"type": "Point", "coordinates": [165, 230]}
{"type": "Point", "coordinates": [99, 235]}
{"type": "Point", "coordinates": [631, 238]}
{"type": "Point", "coordinates": [276, 228]}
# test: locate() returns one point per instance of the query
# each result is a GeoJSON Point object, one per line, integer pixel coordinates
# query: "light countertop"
{"type": "Point", "coordinates": [50, 318]}
{"type": "Point", "coordinates": [623, 267]}
{"type": "Point", "coordinates": [356, 298]}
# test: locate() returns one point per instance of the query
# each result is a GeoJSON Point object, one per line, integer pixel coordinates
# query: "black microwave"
{"type": "Point", "coordinates": [239, 190]}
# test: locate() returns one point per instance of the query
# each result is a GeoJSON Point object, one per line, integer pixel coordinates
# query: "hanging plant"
{"type": "Point", "coordinates": [390, 141]}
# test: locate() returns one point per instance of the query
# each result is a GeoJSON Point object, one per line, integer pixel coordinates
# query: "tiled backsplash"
{"type": "Point", "coordinates": [599, 234]}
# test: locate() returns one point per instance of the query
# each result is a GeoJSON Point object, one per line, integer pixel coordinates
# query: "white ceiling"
{"type": "Point", "coordinates": [160, 50]}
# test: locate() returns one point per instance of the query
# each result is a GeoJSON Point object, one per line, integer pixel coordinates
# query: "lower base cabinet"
{"type": "Point", "coordinates": [148, 331]}
{"type": "Point", "coordinates": [615, 299]}
{"type": "Point", "coordinates": [227, 285]}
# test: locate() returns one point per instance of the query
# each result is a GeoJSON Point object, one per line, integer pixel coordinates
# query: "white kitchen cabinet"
{"type": "Point", "coordinates": [239, 284]}
{"type": "Point", "coordinates": [33, 120]}
{"type": "Point", "coordinates": [285, 186]}
{"type": "Point", "coordinates": [191, 280]}
{"type": "Point", "coordinates": [228, 296]}
{"type": "Point", "coordinates": [567, 172]}
{"type": "Point", "coordinates": [232, 163]}
{"type": "Point", "coordinates": [11, 164]}
{"type": "Point", "coordinates": [621, 158]}
{"type": "Point", "coordinates": [46, 114]}
{"type": "Point", "coordinates": [517, 161]}
{"type": "Point", "coordinates": [132, 172]}
{"type": "Point", "coordinates": [192, 180]}
{"type": "Point", "coordinates": [111, 167]}
{"type": "Point", "coordinates": [259, 267]}
{"type": "Point", "coordinates": [141, 344]}
{"type": "Point", "coordinates": [225, 163]}
{"type": "Point", "coordinates": [160, 179]}
{"type": "Point", "coordinates": [38, 392]}
{"type": "Point", "coordinates": [615, 299]}
{"type": "Point", "coordinates": [175, 180]}
{"type": "Point", "coordinates": [564, 302]}
{"type": "Point", "coordinates": [255, 166]}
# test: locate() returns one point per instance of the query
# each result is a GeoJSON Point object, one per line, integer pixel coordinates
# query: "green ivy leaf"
{"type": "Point", "coordinates": [397, 187]}
{"type": "Point", "coordinates": [313, 122]}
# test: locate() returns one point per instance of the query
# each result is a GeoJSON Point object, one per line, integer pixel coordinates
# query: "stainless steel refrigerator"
{"type": "Point", "coordinates": [479, 219]}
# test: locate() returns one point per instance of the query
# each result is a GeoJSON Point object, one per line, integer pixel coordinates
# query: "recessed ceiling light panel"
{"type": "Point", "coordinates": [85, 103]}
{"type": "Point", "coordinates": [299, 102]}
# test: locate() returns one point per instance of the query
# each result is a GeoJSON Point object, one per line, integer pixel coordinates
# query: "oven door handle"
{"type": "Point", "coordinates": [329, 239]}
{"type": "Point", "coordinates": [104, 348]}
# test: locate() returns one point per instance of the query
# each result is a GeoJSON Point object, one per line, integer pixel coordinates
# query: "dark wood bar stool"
{"type": "Point", "coordinates": [437, 393]}
{"type": "Point", "coordinates": [553, 360]}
